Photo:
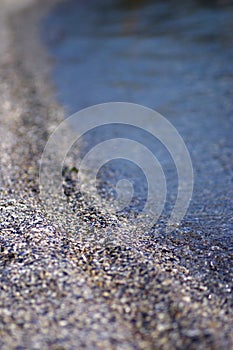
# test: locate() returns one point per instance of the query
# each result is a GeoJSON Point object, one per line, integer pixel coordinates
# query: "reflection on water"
{"type": "Point", "coordinates": [175, 57]}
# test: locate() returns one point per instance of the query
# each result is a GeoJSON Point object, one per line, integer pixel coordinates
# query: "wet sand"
{"type": "Point", "coordinates": [62, 292]}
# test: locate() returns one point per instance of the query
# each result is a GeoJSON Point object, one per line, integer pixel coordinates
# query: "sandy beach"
{"type": "Point", "coordinates": [60, 292]}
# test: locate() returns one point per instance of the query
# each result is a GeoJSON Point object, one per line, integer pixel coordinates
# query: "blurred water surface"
{"type": "Point", "coordinates": [175, 57]}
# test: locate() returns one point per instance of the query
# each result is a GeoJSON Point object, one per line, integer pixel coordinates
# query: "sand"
{"type": "Point", "coordinates": [62, 287]}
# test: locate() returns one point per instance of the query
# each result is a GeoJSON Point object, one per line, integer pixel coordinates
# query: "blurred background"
{"type": "Point", "coordinates": [149, 52]}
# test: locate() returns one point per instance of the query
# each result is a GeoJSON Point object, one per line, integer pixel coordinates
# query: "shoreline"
{"type": "Point", "coordinates": [58, 292]}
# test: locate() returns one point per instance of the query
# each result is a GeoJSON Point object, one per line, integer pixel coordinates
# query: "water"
{"type": "Point", "coordinates": [171, 56]}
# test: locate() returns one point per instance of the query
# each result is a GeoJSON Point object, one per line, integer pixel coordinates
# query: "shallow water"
{"type": "Point", "coordinates": [171, 56]}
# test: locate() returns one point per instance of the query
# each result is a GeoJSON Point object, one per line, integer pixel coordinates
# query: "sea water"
{"type": "Point", "coordinates": [174, 57]}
